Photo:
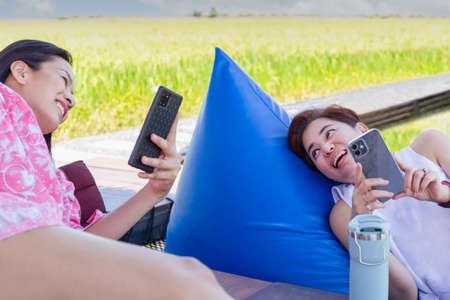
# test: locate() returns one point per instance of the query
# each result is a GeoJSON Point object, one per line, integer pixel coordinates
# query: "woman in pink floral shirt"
{"type": "Point", "coordinates": [44, 251]}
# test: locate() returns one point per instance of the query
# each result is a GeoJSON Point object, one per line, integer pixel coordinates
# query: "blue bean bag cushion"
{"type": "Point", "coordinates": [245, 203]}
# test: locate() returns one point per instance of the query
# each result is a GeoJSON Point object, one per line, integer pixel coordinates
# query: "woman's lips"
{"type": "Point", "coordinates": [342, 160]}
{"type": "Point", "coordinates": [337, 159]}
{"type": "Point", "coordinates": [62, 107]}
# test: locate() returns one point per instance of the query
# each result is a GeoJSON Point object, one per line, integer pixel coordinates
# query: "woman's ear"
{"type": "Point", "coordinates": [361, 127]}
{"type": "Point", "coordinates": [20, 71]}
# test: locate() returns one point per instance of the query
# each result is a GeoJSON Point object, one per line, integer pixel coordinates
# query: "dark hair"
{"type": "Point", "coordinates": [304, 118]}
{"type": "Point", "coordinates": [33, 53]}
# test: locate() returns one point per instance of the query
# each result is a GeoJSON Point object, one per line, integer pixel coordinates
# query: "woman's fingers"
{"type": "Point", "coordinates": [427, 179]}
{"type": "Point", "coordinates": [371, 182]}
{"type": "Point", "coordinates": [162, 163]}
{"type": "Point", "coordinates": [400, 195]}
{"type": "Point", "coordinates": [416, 180]}
{"type": "Point", "coordinates": [374, 195]}
{"type": "Point", "coordinates": [160, 175]}
{"type": "Point", "coordinates": [413, 179]}
{"type": "Point", "coordinates": [374, 205]}
{"type": "Point", "coordinates": [407, 181]}
{"type": "Point", "coordinates": [164, 168]}
{"type": "Point", "coordinates": [167, 148]}
{"type": "Point", "coordinates": [358, 175]}
{"type": "Point", "coordinates": [367, 184]}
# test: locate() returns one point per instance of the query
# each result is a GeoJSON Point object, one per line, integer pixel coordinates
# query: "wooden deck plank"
{"type": "Point", "coordinates": [118, 181]}
{"type": "Point", "coordinates": [240, 287]}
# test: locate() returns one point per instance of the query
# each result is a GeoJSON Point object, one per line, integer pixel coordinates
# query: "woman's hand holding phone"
{"type": "Point", "coordinates": [422, 184]}
{"type": "Point", "coordinates": [365, 198]}
{"type": "Point", "coordinates": [166, 166]}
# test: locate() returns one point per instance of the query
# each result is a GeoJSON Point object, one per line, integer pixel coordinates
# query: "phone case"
{"type": "Point", "coordinates": [377, 161]}
{"type": "Point", "coordinates": [159, 120]}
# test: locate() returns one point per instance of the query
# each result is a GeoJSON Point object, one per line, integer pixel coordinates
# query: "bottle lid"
{"type": "Point", "coordinates": [369, 227]}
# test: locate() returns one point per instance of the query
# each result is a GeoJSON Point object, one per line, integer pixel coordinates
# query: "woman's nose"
{"type": "Point", "coordinates": [71, 99]}
{"type": "Point", "coordinates": [328, 148]}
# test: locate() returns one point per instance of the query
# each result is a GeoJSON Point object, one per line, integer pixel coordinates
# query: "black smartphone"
{"type": "Point", "coordinates": [377, 161]}
{"type": "Point", "coordinates": [159, 120]}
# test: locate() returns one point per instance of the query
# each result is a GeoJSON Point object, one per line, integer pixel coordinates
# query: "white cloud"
{"type": "Point", "coordinates": [37, 7]}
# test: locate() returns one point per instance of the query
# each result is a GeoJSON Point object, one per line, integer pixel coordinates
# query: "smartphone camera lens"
{"type": "Point", "coordinates": [362, 149]}
{"type": "Point", "coordinates": [357, 152]}
{"type": "Point", "coordinates": [164, 100]}
{"type": "Point", "coordinates": [354, 146]}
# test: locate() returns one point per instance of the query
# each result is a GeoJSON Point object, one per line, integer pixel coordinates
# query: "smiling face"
{"type": "Point", "coordinates": [48, 91]}
{"type": "Point", "coordinates": [325, 141]}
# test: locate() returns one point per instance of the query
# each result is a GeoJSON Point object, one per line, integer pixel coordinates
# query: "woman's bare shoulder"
{"type": "Point", "coordinates": [431, 143]}
{"type": "Point", "coordinates": [340, 212]}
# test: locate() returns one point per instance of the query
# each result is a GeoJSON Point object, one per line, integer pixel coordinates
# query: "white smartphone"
{"type": "Point", "coordinates": [377, 161]}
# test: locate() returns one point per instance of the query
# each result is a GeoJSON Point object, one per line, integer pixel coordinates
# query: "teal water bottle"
{"type": "Point", "coordinates": [368, 243]}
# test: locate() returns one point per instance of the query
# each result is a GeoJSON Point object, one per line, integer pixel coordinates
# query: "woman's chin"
{"type": "Point", "coordinates": [345, 175]}
{"type": "Point", "coordinates": [49, 128]}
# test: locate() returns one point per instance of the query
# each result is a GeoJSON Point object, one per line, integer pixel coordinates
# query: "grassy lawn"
{"type": "Point", "coordinates": [119, 62]}
{"type": "Point", "coordinates": [402, 134]}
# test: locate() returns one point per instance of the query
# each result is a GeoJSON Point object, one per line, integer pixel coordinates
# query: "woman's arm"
{"type": "Point", "coordinates": [167, 166]}
{"type": "Point", "coordinates": [435, 146]}
{"type": "Point", "coordinates": [401, 283]}
{"type": "Point", "coordinates": [115, 224]}
{"type": "Point", "coordinates": [56, 262]}
{"type": "Point", "coordinates": [424, 184]}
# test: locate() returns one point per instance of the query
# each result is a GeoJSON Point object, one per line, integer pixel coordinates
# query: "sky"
{"type": "Point", "coordinates": [161, 8]}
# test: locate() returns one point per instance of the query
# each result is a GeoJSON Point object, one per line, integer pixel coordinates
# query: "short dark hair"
{"type": "Point", "coordinates": [33, 53]}
{"type": "Point", "coordinates": [304, 118]}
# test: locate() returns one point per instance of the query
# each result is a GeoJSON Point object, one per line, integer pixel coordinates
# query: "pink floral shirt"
{"type": "Point", "coordinates": [33, 193]}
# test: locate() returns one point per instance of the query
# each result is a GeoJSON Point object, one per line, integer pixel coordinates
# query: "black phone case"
{"type": "Point", "coordinates": [378, 162]}
{"type": "Point", "coordinates": [159, 120]}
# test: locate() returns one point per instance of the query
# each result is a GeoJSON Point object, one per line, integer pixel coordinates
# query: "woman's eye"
{"type": "Point", "coordinates": [65, 80]}
{"type": "Point", "coordinates": [314, 153]}
{"type": "Point", "coordinates": [330, 133]}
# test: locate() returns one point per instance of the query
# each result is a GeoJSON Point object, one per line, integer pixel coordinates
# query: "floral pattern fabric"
{"type": "Point", "coordinates": [33, 193]}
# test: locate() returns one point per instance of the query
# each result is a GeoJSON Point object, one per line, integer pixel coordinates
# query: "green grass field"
{"type": "Point", "coordinates": [120, 62]}
{"type": "Point", "coordinates": [402, 134]}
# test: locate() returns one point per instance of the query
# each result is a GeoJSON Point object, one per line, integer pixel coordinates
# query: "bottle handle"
{"type": "Point", "coordinates": [360, 255]}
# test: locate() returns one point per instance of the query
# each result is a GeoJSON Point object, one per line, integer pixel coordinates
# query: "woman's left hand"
{"type": "Point", "coordinates": [422, 184]}
{"type": "Point", "coordinates": [166, 167]}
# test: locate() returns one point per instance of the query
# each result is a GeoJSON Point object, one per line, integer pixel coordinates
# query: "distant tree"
{"type": "Point", "coordinates": [213, 13]}
{"type": "Point", "coordinates": [197, 13]}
